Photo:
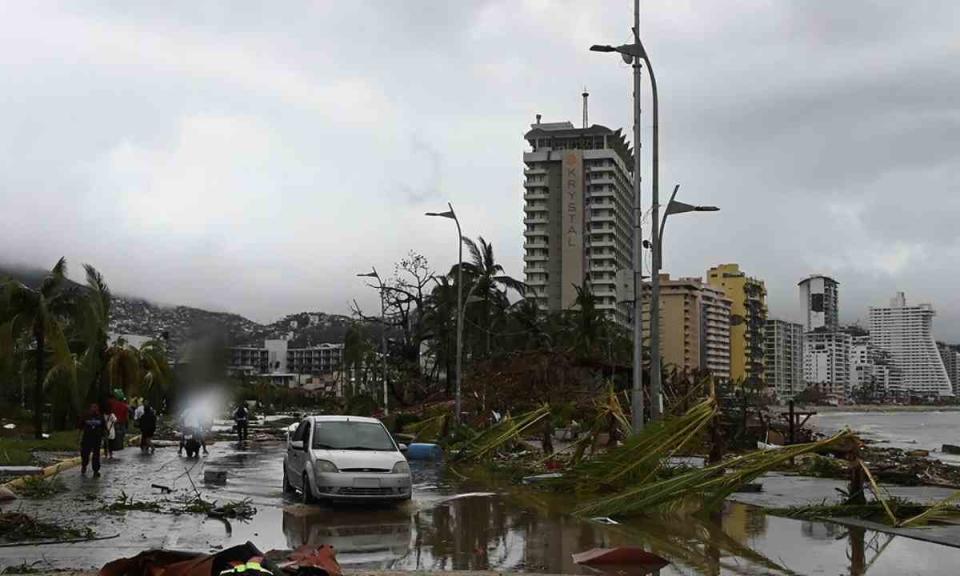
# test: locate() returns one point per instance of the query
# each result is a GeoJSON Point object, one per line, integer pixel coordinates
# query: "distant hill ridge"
{"type": "Point", "coordinates": [131, 315]}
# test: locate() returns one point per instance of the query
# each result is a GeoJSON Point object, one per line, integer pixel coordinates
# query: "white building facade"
{"type": "Point", "coordinates": [578, 203]}
{"type": "Point", "coordinates": [819, 303]}
{"type": "Point", "coordinates": [905, 333]}
{"type": "Point", "coordinates": [951, 362]}
{"type": "Point", "coordinates": [783, 357]}
{"type": "Point", "coordinates": [826, 363]}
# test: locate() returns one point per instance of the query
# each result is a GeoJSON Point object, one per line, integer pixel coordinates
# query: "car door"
{"type": "Point", "coordinates": [295, 457]}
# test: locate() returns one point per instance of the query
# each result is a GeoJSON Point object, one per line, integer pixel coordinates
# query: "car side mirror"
{"type": "Point", "coordinates": [296, 444]}
{"type": "Point", "coordinates": [402, 447]}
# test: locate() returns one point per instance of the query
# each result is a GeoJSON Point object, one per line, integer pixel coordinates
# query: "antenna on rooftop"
{"type": "Point", "coordinates": [585, 96]}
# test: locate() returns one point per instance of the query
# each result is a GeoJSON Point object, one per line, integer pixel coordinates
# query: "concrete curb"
{"type": "Point", "coordinates": [57, 468]}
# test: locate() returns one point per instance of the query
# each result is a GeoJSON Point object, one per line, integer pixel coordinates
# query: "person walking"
{"type": "Point", "coordinates": [118, 405]}
{"type": "Point", "coordinates": [110, 432]}
{"type": "Point", "coordinates": [93, 427]}
{"type": "Point", "coordinates": [241, 417]}
{"type": "Point", "coordinates": [148, 426]}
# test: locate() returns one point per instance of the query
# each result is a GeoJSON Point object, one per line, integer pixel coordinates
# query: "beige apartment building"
{"type": "Point", "coordinates": [695, 326]}
{"type": "Point", "coordinates": [578, 204]}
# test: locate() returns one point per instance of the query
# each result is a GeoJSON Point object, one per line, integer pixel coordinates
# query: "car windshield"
{"type": "Point", "coordinates": [351, 436]}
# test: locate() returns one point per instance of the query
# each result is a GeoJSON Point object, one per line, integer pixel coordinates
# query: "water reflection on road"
{"type": "Point", "coordinates": [450, 525]}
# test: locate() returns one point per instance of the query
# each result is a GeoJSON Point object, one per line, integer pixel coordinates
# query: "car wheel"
{"type": "Point", "coordinates": [287, 486]}
{"type": "Point", "coordinates": [307, 491]}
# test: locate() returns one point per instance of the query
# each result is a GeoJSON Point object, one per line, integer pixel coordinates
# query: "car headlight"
{"type": "Point", "coordinates": [325, 467]}
{"type": "Point", "coordinates": [401, 467]}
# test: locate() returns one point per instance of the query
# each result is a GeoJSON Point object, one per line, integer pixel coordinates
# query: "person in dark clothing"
{"type": "Point", "coordinates": [241, 417]}
{"type": "Point", "coordinates": [93, 426]}
{"type": "Point", "coordinates": [148, 426]}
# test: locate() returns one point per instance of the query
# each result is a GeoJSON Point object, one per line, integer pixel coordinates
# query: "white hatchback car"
{"type": "Point", "coordinates": [345, 458]}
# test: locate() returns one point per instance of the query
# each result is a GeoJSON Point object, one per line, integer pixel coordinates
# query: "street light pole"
{"type": "Point", "coordinates": [633, 53]}
{"type": "Point", "coordinates": [383, 337]}
{"type": "Point", "coordinates": [656, 385]}
{"type": "Point", "coordinates": [453, 216]}
{"type": "Point", "coordinates": [637, 408]}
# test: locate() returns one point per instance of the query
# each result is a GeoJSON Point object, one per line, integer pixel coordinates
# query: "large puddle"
{"type": "Point", "coordinates": [451, 525]}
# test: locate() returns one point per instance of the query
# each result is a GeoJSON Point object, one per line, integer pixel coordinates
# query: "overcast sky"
{"type": "Point", "coordinates": [253, 157]}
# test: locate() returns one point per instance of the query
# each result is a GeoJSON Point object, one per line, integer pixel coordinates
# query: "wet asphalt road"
{"type": "Point", "coordinates": [445, 527]}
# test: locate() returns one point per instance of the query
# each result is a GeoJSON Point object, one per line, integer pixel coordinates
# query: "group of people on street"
{"type": "Point", "coordinates": [105, 425]}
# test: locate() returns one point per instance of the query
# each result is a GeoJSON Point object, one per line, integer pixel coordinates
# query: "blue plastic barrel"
{"type": "Point", "coordinates": [424, 451]}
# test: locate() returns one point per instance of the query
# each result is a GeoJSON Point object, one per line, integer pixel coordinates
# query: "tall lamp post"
{"type": "Point", "coordinates": [633, 54]}
{"type": "Point", "coordinates": [673, 207]}
{"type": "Point", "coordinates": [383, 337]}
{"type": "Point", "coordinates": [453, 216]}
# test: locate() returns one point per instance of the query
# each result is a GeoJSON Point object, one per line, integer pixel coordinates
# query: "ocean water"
{"type": "Point", "coordinates": [928, 430]}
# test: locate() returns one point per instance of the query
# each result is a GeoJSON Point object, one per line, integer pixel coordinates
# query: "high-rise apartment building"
{"type": "Point", "coordinates": [578, 204]}
{"type": "Point", "coordinates": [905, 333]}
{"type": "Point", "coordinates": [951, 362]}
{"type": "Point", "coordinates": [695, 326]}
{"type": "Point", "coordinates": [826, 362]}
{"type": "Point", "coordinates": [748, 317]}
{"type": "Point", "coordinates": [819, 303]}
{"type": "Point", "coordinates": [870, 367]}
{"type": "Point", "coordinates": [783, 357]}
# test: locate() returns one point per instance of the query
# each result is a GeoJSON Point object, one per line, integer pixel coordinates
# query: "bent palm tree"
{"type": "Point", "coordinates": [39, 312]}
{"type": "Point", "coordinates": [94, 319]}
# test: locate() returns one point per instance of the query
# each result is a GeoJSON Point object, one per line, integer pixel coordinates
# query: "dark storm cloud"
{"type": "Point", "coordinates": [255, 157]}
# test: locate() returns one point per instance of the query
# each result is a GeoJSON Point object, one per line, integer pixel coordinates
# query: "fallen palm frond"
{"type": "Point", "coordinates": [428, 430]}
{"type": "Point", "coordinates": [499, 434]}
{"type": "Point", "coordinates": [610, 418]}
{"type": "Point", "coordinates": [874, 511]}
{"type": "Point", "coordinates": [938, 511]}
{"type": "Point", "coordinates": [239, 509]}
{"type": "Point", "coordinates": [125, 503]}
{"type": "Point", "coordinates": [881, 496]}
{"type": "Point", "coordinates": [707, 486]}
{"type": "Point", "coordinates": [642, 455]}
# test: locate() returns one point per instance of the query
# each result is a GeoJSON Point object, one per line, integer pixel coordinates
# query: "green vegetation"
{"type": "Point", "coordinates": [17, 451]}
{"type": "Point", "coordinates": [38, 487]}
{"type": "Point", "coordinates": [18, 527]}
{"type": "Point", "coordinates": [125, 503]}
{"type": "Point", "coordinates": [54, 339]}
{"type": "Point", "coordinates": [873, 511]}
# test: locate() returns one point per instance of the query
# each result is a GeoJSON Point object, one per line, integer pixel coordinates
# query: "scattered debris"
{"type": "Point", "coordinates": [239, 509]}
{"type": "Point", "coordinates": [605, 520]}
{"type": "Point", "coordinates": [537, 478]}
{"type": "Point", "coordinates": [162, 488]}
{"type": "Point", "coordinates": [215, 477]}
{"type": "Point", "coordinates": [18, 527]}
{"type": "Point", "coordinates": [125, 503]}
{"type": "Point", "coordinates": [750, 488]}
{"type": "Point", "coordinates": [623, 556]}
{"type": "Point", "coordinates": [6, 494]}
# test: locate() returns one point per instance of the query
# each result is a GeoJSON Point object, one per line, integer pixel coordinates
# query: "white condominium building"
{"type": "Point", "coordinates": [819, 302]}
{"type": "Point", "coordinates": [783, 357]}
{"type": "Point", "coordinates": [951, 361]}
{"type": "Point", "coordinates": [578, 203]}
{"type": "Point", "coordinates": [826, 362]}
{"type": "Point", "coordinates": [905, 333]}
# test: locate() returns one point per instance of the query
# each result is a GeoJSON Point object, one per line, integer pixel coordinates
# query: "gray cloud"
{"type": "Point", "coordinates": [255, 157]}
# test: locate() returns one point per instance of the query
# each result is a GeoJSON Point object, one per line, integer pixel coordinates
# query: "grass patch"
{"type": "Point", "coordinates": [17, 527]}
{"type": "Point", "coordinates": [16, 450]}
{"type": "Point", "coordinates": [38, 488]}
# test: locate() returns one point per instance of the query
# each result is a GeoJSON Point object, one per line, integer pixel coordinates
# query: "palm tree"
{"type": "Point", "coordinates": [490, 283]}
{"type": "Point", "coordinates": [156, 373]}
{"type": "Point", "coordinates": [39, 312]}
{"type": "Point", "coordinates": [123, 367]}
{"type": "Point", "coordinates": [93, 322]}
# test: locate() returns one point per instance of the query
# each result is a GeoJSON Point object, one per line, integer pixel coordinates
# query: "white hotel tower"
{"type": "Point", "coordinates": [904, 332]}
